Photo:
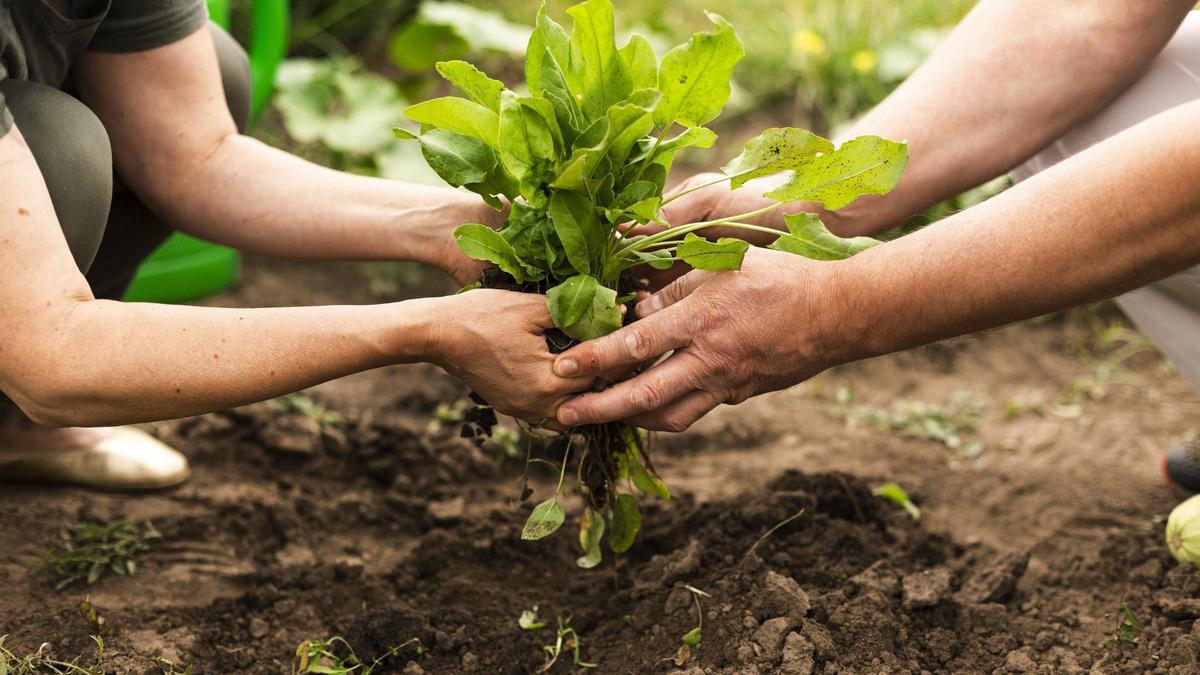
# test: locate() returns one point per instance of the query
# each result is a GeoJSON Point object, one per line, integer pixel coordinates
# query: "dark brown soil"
{"type": "Point", "coordinates": [379, 531]}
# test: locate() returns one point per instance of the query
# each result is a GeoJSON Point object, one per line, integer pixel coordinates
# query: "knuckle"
{"type": "Point", "coordinates": [639, 344]}
{"type": "Point", "coordinates": [646, 396]}
{"type": "Point", "coordinates": [676, 424]}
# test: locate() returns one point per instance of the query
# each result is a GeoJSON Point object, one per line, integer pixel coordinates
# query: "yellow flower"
{"type": "Point", "coordinates": [864, 61]}
{"type": "Point", "coordinates": [808, 43]}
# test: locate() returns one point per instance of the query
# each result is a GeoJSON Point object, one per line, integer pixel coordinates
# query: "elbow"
{"type": "Point", "coordinates": [54, 400]}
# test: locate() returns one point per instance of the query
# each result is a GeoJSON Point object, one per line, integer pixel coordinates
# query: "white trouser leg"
{"type": "Point", "coordinates": [1168, 311]}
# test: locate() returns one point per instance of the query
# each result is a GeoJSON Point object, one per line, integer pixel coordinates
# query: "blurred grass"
{"type": "Point", "coordinates": [815, 63]}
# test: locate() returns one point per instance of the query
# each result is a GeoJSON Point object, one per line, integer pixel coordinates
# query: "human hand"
{"type": "Point", "coordinates": [494, 341]}
{"type": "Point", "coordinates": [451, 259]}
{"type": "Point", "coordinates": [776, 323]}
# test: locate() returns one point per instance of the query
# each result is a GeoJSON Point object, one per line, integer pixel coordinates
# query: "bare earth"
{"type": "Point", "coordinates": [378, 531]}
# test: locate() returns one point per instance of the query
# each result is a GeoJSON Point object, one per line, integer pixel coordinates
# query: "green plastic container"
{"type": "Point", "coordinates": [186, 268]}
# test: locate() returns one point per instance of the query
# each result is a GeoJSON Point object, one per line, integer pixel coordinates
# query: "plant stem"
{"type": "Point", "coordinates": [697, 189]}
{"type": "Point", "coordinates": [675, 232]}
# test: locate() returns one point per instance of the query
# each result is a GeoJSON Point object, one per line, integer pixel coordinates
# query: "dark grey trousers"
{"type": "Point", "coordinates": [110, 232]}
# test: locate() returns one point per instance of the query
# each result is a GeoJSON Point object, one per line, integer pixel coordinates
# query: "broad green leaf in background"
{"type": "Point", "coordinates": [474, 83]}
{"type": "Point", "coordinates": [569, 300]}
{"type": "Point", "coordinates": [483, 243]}
{"type": "Point", "coordinates": [773, 151]}
{"type": "Point", "coordinates": [460, 116]}
{"type": "Point", "coordinates": [702, 254]}
{"type": "Point", "coordinates": [642, 62]}
{"type": "Point", "coordinates": [596, 71]}
{"type": "Point", "coordinates": [626, 521]}
{"type": "Point", "coordinates": [579, 227]}
{"type": "Point", "coordinates": [545, 519]}
{"type": "Point", "coordinates": [527, 144]}
{"type": "Point", "coordinates": [602, 318]}
{"type": "Point", "coordinates": [549, 47]}
{"type": "Point", "coordinates": [458, 159]}
{"type": "Point", "coordinates": [591, 529]}
{"type": "Point", "coordinates": [628, 122]}
{"type": "Point", "coordinates": [694, 77]}
{"type": "Point", "coordinates": [810, 238]}
{"type": "Point", "coordinates": [868, 165]}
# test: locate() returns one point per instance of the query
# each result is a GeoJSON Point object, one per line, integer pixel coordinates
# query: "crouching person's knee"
{"type": "Point", "coordinates": [73, 153]}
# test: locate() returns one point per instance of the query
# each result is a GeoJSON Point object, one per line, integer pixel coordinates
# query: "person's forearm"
{"type": "Point", "coordinates": [1014, 76]}
{"type": "Point", "coordinates": [1122, 214]}
{"type": "Point", "coordinates": [114, 363]}
{"type": "Point", "coordinates": [255, 198]}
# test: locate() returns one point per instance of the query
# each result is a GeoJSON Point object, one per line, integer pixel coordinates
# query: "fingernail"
{"type": "Point", "coordinates": [566, 367]}
{"type": "Point", "coordinates": [568, 417]}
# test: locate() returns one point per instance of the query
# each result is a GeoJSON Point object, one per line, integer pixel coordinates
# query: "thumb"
{"type": "Point", "coordinates": [674, 292]}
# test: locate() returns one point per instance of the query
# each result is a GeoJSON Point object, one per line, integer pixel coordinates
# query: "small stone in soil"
{"type": "Point", "coordinates": [797, 655]}
{"type": "Point", "coordinates": [927, 589]}
{"type": "Point", "coordinates": [770, 636]}
{"type": "Point", "coordinates": [782, 596]}
{"type": "Point", "coordinates": [996, 581]}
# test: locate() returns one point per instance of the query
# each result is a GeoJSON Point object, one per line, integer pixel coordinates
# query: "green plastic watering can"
{"type": "Point", "coordinates": [185, 268]}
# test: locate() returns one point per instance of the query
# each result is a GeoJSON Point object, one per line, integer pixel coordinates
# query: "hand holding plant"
{"type": "Point", "coordinates": [588, 150]}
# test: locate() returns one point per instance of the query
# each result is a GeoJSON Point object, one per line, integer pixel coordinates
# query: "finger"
{"type": "Point", "coordinates": [647, 392]}
{"type": "Point", "coordinates": [674, 292]}
{"type": "Point", "coordinates": [681, 414]}
{"type": "Point", "coordinates": [640, 341]}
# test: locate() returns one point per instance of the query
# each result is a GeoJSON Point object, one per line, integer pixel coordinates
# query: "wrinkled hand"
{"type": "Point", "coordinates": [494, 341]}
{"type": "Point", "coordinates": [710, 203]}
{"type": "Point", "coordinates": [775, 323]}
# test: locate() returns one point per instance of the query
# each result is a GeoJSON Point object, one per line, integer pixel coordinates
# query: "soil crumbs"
{"type": "Point", "coordinates": [1040, 554]}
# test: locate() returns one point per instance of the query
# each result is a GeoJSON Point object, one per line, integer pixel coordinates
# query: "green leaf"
{"type": "Point", "coordinates": [526, 145]}
{"type": "Point", "coordinates": [546, 518]}
{"type": "Point", "coordinates": [642, 62]}
{"type": "Point", "coordinates": [626, 521]}
{"type": "Point", "coordinates": [702, 254]}
{"type": "Point", "coordinates": [628, 122]}
{"type": "Point", "coordinates": [549, 46]}
{"type": "Point", "coordinates": [896, 494]}
{"type": "Point", "coordinates": [602, 318]}
{"type": "Point", "coordinates": [694, 78]}
{"type": "Point", "coordinates": [458, 159]}
{"type": "Point", "coordinates": [692, 638]}
{"type": "Point", "coordinates": [773, 151]}
{"type": "Point", "coordinates": [868, 165]}
{"type": "Point", "coordinates": [460, 116]}
{"type": "Point", "coordinates": [659, 260]}
{"type": "Point", "coordinates": [473, 82]}
{"type": "Point", "coordinates": [642, 478]}
{"type": "Point", "coordinates": [591, 529]}
{"type": "Point", "coordinates": [693, 137]}
{"type": "Point", "coordinates": [580, 229]}
{"type": "Point", "coordinates": [569, 300]}
{"type": "Point", "coordinates": [532, 236]}
{"type": "Point", "coordinates": [810, 238]}
{"type": "Point", "coordinates": [545, 108]}
{"type": "Point", "coordinates": [404, 134]}
{"type": "Point", "coordinates": [483, 243]}
{"type": "Point", "coordinates": [596, 71]}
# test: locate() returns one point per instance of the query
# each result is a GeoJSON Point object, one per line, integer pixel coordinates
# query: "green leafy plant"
{"type": "Point", "coordinates": [1128, 629]}
{"type": "Point", "coordinates": [322, 657]}
{"type": "Point", "coordinates": [587, 151]}
{"type": "Point", "coordinates": [90, 550]}
{"type": "Point", "coordinates": [565, 640]}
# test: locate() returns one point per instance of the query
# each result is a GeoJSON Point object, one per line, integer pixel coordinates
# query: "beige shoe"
{"type": "Point", "coordinates": [121, 458]}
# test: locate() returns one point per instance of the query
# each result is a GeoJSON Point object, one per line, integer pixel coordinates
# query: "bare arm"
{"type": "Point", "coordinates": [1014, 76]}
{"type": "Point", "coordinates": [175, 143]}
{"type": "Point", "coordinates": [68, 359]}
{"type": "Point", "coordinates": [1117, 216]}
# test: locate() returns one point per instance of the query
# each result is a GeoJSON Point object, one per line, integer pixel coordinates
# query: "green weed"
{"type": "Point", "coordinates": [1128, 629]}
{"type": "Point", "coordinates": [322, 657]}
{"type": "Point", "coordinates": [90, 550]}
